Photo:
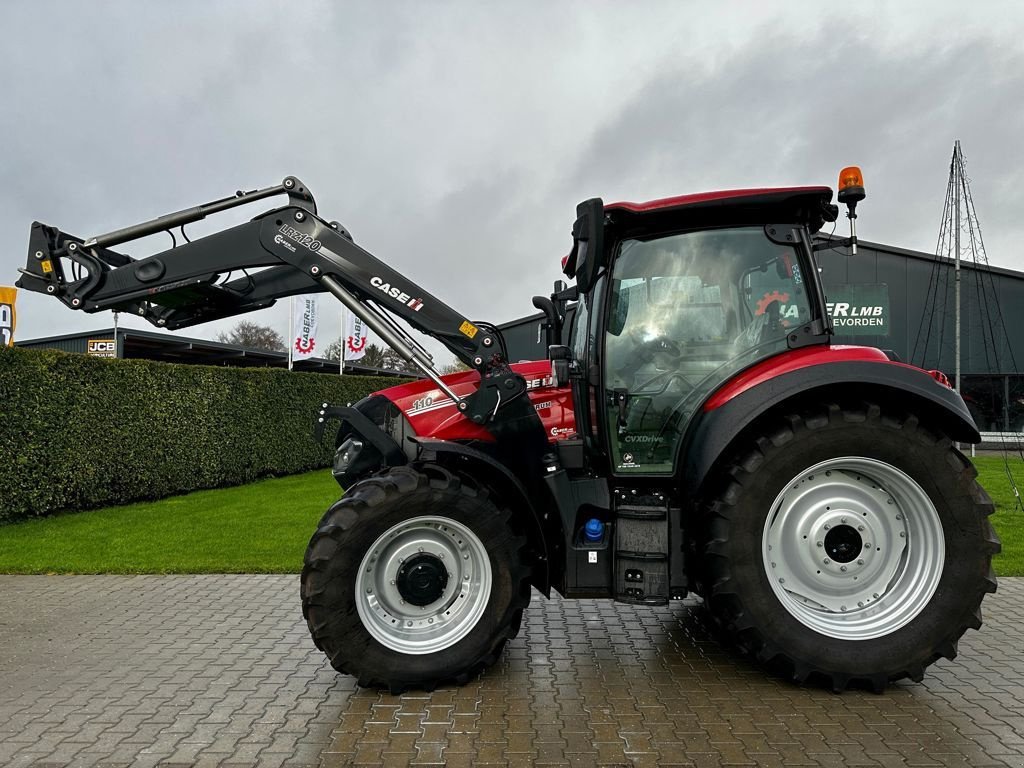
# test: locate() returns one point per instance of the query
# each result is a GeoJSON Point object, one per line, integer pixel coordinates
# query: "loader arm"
{"type": "Point", "coordinates": [295, 252]}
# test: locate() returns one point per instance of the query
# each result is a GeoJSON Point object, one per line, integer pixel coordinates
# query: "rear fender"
{"type": "Point", "coordinates": [731, 412]}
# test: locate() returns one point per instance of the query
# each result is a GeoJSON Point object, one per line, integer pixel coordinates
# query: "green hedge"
{"type": "Point", "coordinates": [79, 432]}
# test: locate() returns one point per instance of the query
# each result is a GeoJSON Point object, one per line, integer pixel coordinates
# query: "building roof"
{"type": "Point", "coordinates": [171, 348]}
{"type": "Point", "coordinates": [924, 256]}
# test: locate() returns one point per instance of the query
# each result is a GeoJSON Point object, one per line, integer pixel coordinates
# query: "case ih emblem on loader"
{"type": "Point", "coordinates": [705, 437]}
{"type": "Point", "coordinates": [396, 293]}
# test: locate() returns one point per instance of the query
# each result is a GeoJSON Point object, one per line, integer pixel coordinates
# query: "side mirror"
{"type": "Point", "coordinates": [584, 259]}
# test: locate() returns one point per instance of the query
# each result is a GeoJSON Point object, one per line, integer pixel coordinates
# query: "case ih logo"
{"type": "Point", "coordinates": [547, 381]}
{"type": "Point", "coordinates": [396, 293]}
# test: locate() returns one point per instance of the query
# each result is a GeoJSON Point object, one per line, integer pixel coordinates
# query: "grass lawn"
{"type": "Point", "coordinates": [258, 528]}
{"type": "Point", "coordinates": [264, 528]}
{"type": "Point", "coordinates": [1008, 519]}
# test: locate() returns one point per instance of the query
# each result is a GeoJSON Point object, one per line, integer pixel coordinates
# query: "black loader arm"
{"type": "Point", "coordinates": [295, 252]}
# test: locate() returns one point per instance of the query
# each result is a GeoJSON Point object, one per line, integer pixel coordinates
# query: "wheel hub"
{"type": "Point", "coordinates": [422, 579]}
{"type": "Point", "coordinates": [843, 543]}
{"type": "Point", "coordinates": [423, 584]}
{"type": "Point", "coordinates": [853, 547]}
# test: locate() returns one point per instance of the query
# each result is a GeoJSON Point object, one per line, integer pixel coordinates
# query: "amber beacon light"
{"type": "Point", "coordinates": [851, 186]}
{"type": "Point", "coordinates": [851, 192]}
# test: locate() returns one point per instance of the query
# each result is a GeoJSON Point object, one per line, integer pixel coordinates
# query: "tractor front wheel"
{"type": "Point", "coordinates": [849, 544]}
{"type": "Point", "coordinates": [414, 578]}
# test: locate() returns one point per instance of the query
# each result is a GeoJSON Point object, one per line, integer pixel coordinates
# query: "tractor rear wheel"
{"type": "Point", "coordinates": [414, 578]}
{"type": "Point", "coordinates": [849, 544]}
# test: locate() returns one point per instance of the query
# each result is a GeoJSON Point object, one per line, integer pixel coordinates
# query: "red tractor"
{"type": "Point", "coordinates": [694, 431]}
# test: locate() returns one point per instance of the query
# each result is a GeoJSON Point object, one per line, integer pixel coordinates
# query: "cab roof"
{"type": "Point", "coordinates": [811, 205]}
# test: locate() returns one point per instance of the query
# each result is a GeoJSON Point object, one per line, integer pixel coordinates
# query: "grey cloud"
{"type": "Point", "coordinates": [455, 139]}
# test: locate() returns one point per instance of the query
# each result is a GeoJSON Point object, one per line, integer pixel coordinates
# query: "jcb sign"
{"type": "Point", "coordinates": [7, 318]}
{"type": "Point", "coordinates": [859, 310]}
{"type": "Point", "coordinates": [102, 348]}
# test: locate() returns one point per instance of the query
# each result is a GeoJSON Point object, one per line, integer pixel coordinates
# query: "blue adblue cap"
{"type": "Point", "coordinates": [593, 530]}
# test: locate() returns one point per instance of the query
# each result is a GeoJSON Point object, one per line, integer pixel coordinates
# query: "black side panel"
{"type": "Point", "coordinates": [713, 431]}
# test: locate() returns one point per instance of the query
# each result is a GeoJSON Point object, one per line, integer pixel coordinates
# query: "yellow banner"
{"type": "Point", "coordinates": [7, 318]}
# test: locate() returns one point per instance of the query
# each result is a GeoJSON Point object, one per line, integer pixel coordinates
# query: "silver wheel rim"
{"type": "Point", "coordinates": [418, 629]}
{"type": "Point", "coordinates": [813, 529]}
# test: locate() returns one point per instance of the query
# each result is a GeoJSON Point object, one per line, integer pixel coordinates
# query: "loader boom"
{"type": "Point", "coordinates": [296, 252]}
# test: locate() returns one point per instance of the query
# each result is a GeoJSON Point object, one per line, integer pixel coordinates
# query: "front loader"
{"type": "Point", "coordinates": [694, 429]}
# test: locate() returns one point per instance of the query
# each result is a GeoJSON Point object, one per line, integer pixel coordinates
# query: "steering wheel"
{"type": "Point", "coordinates": [664, 354]}
{"type": "Point", "coordinates": [661, 351]}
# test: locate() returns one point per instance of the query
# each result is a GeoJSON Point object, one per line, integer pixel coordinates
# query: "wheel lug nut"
{"type": "Point", "coordinates": [842, 608]}
{"type": "Point", "coordinates": [875, 595]}
{"type": "Point", "coordinates": [441, 555]}
{"type": "Point", "coordinates": [827, 526]}
{"type": "Point", "coordinates": [860, 562]}
{"type": "Point", "coordinates": [773, 565]}
{"type": "Point", "coordinates": [860, 527]}
{"type": "Point", "coordinates": [842, 568]}
{"type": "Point", "coordinates": [903, 534]}
{"type": "Point", "coordinates": [782, 581]}
{"type": "Point", "coordinates": [842, 520]}
{"type": "Point", "coordinates": [826, 561]}
{"type": "Point", "coordinates": [860, 603]}
{"type": "Point", "coordinates": [419, 549]}
{"type": "Point", "coordinates": [899, 517]}
{"type": "Point", "coordinates": [820, 544]}
{"type": "Point", "coordinates": [392, 582]}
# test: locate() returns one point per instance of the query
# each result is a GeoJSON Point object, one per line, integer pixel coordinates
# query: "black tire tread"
{"type": "Point", "coordinates": [727, 607]}
{"type": "Point", "coordinates": [364, 499]}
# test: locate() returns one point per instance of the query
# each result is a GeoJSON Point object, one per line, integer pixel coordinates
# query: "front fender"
{"type": "Point", "coordinates": [740, 403]}
{"type": "Point", "coordinates": [511, 492]}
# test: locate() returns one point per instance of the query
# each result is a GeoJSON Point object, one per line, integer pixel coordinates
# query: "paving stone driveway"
{"type": "Point", "coordinates": [219, 670]}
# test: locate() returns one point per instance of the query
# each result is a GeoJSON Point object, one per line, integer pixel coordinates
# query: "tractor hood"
{"type": "Point", "coordinates": [431, 413]}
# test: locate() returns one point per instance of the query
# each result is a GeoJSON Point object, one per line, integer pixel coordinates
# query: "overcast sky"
{"type": "Point", "coordinates": [455, 139]}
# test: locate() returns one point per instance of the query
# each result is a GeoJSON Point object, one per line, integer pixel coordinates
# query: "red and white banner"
{"type": "Point", "coordinates": [304, 342]}
{"type": "Point", "coordinates": [356, 337]}
{"type": "Point", "coordinates": [7, 317]}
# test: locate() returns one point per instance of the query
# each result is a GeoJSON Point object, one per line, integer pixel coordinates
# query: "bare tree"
{"type": "Point", "coordinates": [393, 361]}
{"type": "Point", "coordinates": [253, 336]}
{"type": "Point", "coordinates": [455, 366]}
{"type": "Point", "coordinates": [333, 351]}
{"type": "Point", "coordinates": [373, 356]}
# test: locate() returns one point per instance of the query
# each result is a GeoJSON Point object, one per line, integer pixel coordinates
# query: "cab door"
{"type": "Point", "coordinates": [685, 312]}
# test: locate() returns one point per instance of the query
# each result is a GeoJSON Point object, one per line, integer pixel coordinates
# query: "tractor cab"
{"type": "Point", "coordinates": [676, 297]}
